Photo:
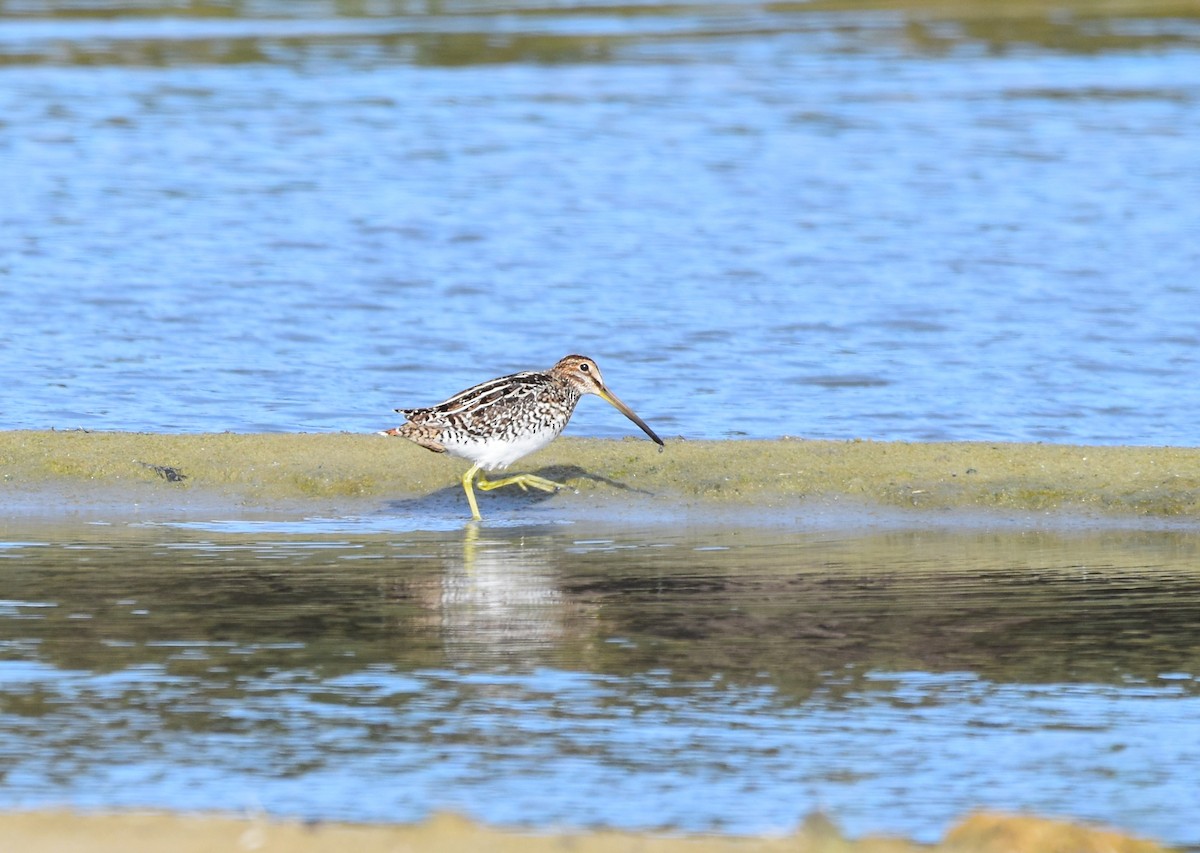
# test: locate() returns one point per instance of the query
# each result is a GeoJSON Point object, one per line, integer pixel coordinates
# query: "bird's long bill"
{"type": "Point", "coordinates": [608, 396]}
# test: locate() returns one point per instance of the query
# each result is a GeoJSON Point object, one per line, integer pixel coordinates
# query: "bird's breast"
{"type": "Point", "coordinates": [493, 454]}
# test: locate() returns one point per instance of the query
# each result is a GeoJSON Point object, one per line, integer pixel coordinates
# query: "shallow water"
{"type": "Point", "coordinates": [560, 674]}
{"type": "Point", "coordinates": [762, 219]}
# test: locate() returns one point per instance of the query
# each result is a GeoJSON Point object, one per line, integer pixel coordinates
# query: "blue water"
{"type": "Point", "coordinates": [759, 221]}
{"type": "Point", "coordinates": [645, 678]}
{"type": "Point", "coordinates": [565, 749]}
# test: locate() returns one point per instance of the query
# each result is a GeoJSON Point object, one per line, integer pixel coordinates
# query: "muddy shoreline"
{"type": "Point", "coordinates": [110, 833]}
{"type": "Point", "coordinates": [51, 472]}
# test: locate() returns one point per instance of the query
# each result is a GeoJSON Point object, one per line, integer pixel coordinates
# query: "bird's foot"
{"type": "Point", "coordinates": [525, 481]}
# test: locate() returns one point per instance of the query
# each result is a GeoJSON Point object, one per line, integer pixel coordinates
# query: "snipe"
{"type": "Point", "coordinates": [495, 423]}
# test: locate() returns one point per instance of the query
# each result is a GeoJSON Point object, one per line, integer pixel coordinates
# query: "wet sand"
{"type": "Point", "coordinates": [44, 472]}
{"type": "Point", "coordinates": [56, 831]}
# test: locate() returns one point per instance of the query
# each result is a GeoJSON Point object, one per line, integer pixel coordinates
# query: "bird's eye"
{"type": "Point", "coordinates": [584, 367]}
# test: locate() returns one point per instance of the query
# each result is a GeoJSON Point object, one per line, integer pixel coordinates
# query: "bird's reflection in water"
{"type": "Point", "coordinates": [500, 598]}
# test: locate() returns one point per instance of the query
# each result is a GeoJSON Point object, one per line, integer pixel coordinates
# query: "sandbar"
{"type": "Point", "coordinates": [46, 472]}
{"type": "Point", "coordinates": [66, 832]}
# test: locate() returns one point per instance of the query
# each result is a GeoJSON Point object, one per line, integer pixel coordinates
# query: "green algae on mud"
{"type": "Point", "coordinates": [1144, 481]}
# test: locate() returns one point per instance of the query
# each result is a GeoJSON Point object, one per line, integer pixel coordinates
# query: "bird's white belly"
{"type": "Point", "coordinates": [493, 455]}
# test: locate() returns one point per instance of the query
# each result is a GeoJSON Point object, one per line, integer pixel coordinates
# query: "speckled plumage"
{"type": "Point", "coordinates": [495, 423]}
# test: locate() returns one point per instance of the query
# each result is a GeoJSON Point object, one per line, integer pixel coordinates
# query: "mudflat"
{"type": "Point", "coordinates": [265, 470]}
{"type": "Point", "coordinates": [36, 832]}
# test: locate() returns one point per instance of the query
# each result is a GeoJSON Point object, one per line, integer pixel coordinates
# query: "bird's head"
{"type": "Point", "coordinates": [582, 373]}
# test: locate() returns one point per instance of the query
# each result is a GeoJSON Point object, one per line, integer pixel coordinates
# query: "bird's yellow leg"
{"type": "Point", "coordinates": [466, 483]}
{"type": "Point", "coordinates": [522, 480]}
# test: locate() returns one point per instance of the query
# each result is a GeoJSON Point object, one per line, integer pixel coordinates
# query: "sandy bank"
{"type": "Point", "coordinates": [58, 832]}
{"type": "Point", "coordinates": [265, 469]}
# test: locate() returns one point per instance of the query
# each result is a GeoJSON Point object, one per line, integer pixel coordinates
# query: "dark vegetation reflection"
{"type": "Point", "coordinates": [440, 34]}
{"type": "Point", "coordinates": [796, 611]}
